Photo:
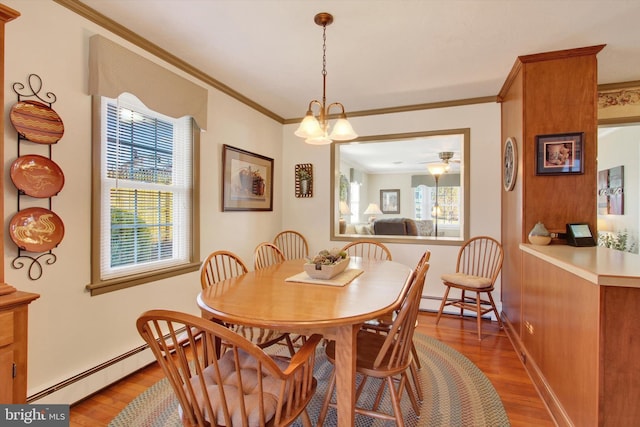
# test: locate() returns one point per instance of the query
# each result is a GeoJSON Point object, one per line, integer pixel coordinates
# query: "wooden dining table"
{"type": "Point", "coordinates": [265, 299]}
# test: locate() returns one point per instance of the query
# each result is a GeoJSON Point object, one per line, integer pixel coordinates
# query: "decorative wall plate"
{"type": "Point", "coordinates": [510, 164]}
{"type": "Point", "coordinates": [36, 229]}
{"type": "Point", "coordinates": [36, 122]}
{"type": "Point", "coordinates": [37, 176]}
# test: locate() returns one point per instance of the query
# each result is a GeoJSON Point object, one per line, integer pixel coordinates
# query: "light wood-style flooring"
{"type": "Point", "coordinates": [494, 355]}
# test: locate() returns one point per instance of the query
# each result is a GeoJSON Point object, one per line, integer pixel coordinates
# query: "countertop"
{"type": "Point", "coordinates": [601, 266]}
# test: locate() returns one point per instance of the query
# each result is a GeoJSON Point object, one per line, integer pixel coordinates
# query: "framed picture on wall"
{"type": "Point", "coordinates": [247, 180]}
{"type": "Point", "coordinates": [560, 154]}
{"type": "Point", "coordinates": [390, 201]}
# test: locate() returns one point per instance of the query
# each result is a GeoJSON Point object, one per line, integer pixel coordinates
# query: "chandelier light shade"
{"type": "Point", "coordinates": [315, 130]}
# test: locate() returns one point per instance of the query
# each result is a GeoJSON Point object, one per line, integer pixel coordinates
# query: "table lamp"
{"type": "Point", "coordinates": [372, 210]}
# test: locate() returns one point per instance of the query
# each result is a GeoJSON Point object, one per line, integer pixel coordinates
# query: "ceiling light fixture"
{"type": "Point", "coordinates": [316, 130]}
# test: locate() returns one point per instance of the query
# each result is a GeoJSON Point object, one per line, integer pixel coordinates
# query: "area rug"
{"type": "Point", "coordinates": [456, 393]}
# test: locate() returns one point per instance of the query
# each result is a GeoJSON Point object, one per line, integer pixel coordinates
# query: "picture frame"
{"type": "Point", "coordinates": [390, 201]}
{"type": "Point", "coordinates": [560, 154]}
{"type": "Point", "coordinates": [304, 180]}
{"type": "Point", "coordinates": [247, 180]}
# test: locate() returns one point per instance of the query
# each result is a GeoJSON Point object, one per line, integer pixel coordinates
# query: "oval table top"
{"type": "Point", "coordinates": [264, 298]}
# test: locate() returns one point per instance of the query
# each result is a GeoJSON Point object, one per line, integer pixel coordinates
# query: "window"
{"type": "Point", "coordinates": [146, 194]}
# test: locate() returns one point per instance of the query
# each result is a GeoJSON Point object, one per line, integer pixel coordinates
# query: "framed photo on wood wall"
{"type": "Point", "coordinates": [560, 154]}
{"type": "Point", "coordinates": [247, 180]}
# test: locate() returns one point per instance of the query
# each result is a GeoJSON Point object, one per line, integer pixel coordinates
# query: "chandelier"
{"type": "Point", "coordinates": [316, 130]}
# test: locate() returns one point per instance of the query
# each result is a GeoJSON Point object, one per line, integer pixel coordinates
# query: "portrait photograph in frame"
{"type": "Point", "coordinates": [247, 180]}
{"type": "Point", "coordinates": [560, 154]}
{"type": "Point", "coordinates": [390, 201]}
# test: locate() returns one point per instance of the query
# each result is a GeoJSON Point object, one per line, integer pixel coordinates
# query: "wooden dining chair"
{"type": "Point", "coordinates": [267, 254]}
{"type": "Point", "coordinates": [292, 244]}
{"type": "Point", "coordinates": [479, 263]}
{"type": "Point", "coordinates": [368, 248]}
{"type": "Point", "coordinates": [387, 357]}
{"type": "Point", "coordinates": [383, 325]}
{"type": "Point", "coordinates": [222, 265]}
{"type": "Point", "coordinates": [241, 386]}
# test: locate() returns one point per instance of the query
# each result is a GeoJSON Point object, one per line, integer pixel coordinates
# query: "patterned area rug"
{"type": "Point", "coordinates": [456, 393]}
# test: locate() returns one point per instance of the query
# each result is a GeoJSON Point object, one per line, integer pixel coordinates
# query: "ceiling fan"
{"type": "Point", "coordinates": [446, 157]}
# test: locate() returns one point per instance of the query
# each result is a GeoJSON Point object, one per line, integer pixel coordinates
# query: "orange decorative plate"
{"type": "Point", "coordinates": [37, 176]}
{"type": "Point", "coordinates": [36, 229]}
{"type": "Point", "coordinates": [36, 122]}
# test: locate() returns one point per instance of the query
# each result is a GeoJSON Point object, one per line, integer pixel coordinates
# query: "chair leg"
{"type": "Point", "coordinates": [327, 399]}
{"type": "Point", "coordinates": [442, 305]}
{"type": "Point", "coordinates": [495, 310]}
{"type": "Point", "coordinates": [479, 315]}
{"type": "Point", "coordinates": [405, 384]}
{"type": "Point", "coordinates": [395, 401]}
{"type": "Point", "coordinates": [292, 350]}
{"type": "Point", "coordinates": [415, 355]}
{"type": "Point", "coordinates": [416, 380]}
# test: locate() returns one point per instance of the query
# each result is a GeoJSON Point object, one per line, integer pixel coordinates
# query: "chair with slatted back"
{"type": "Point", "coordinates": [384, 323]}
{"type": "Point", "coordinates": [479, 263]}
{"type": "Point", "coordinates": [267, 254]}
{"type": "Point", "coordinates": [368, 248]}
{"type": "Point", "coordinates": [292, 244]}
{"type": "Point", "coordinates": [223, 265]}
{"type": "Point", "coordinates": [241, 386]}
{"type": "Point", "coordinates": [385, 356]}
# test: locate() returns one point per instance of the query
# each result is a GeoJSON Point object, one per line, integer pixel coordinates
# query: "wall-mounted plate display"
{"type": "Point", "coordinates": [36, 122]}
{"type": "Point", "coordinates": [37, 176]}
{"type": "Point", "coordinates": [36, 229]}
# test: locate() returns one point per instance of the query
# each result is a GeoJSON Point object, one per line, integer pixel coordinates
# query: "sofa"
{"type": "Point", "coordinates": [395, 227]}
{"type": "Point", "coordinates": [391, 227]}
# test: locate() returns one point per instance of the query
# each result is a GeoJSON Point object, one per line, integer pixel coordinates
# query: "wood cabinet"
{"type": "Point", "coordinates": [581, 323]}
{"type": "Point", "coordinates": [13, 346]}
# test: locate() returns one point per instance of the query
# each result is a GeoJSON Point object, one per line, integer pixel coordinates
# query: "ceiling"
{"type": "Point", "coordinates": [380, 53]}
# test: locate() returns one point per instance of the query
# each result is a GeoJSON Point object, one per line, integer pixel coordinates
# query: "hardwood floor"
{"type": "Point", "coordinates": [494, 355]}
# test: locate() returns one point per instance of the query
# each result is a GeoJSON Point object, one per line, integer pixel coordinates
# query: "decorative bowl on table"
{"type": "Point", "coordinates": [327, 264]}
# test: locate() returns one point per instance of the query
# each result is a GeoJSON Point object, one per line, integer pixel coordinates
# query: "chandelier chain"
{"type": "Point", "coordinates": [324, 50]}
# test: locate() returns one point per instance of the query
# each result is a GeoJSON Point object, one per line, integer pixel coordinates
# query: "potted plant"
{"type": "Point", "coordinates": [304, 177]}
{"type": "Point", "coordinates": [327, 264]}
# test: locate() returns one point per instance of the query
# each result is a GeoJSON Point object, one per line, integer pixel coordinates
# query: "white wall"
{"type": "Point", "coordinates": [311, 216]}
{"type": "Point", "coordinates": [620, 146]}
{"type": "Point", "coordinates": [70, 331]}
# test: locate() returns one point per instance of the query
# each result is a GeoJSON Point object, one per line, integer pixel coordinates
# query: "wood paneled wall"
{"type": "Point", "coordinates": [547, 93]}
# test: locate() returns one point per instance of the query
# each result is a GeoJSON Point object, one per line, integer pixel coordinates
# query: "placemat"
{"type": "Point", "coordinates": [340, 280]}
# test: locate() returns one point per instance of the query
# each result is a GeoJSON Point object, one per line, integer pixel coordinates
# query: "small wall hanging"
{"type": "Point", "coordinates": [35, 230]}
{"type": "Point", "coordinates": [304, 180]}
{"type": "Point", "coordinates": [611, 191]}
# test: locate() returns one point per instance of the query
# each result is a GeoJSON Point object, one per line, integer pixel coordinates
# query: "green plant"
{"type": "Point", "coordinates": [326, 257]}
{"type": "Point", "coordinates": [303, 174]}
{"type": "Point", "coordinates": [618, 240]}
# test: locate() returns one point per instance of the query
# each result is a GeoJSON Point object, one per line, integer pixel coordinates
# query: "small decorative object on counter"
{"type": "Point", "coordinates": [539, 235]}
{"type": "Point", "coordinates": [326, 264]}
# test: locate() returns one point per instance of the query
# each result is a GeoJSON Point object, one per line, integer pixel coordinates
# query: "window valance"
{"type": "Point", "coordinates": [114, 70]}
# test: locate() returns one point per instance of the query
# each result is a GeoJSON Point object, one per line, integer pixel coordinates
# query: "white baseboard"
{"type": "Point", "coordinates": [76, 389]}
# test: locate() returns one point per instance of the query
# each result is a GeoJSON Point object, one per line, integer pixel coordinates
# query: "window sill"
{"type": "Point", "coordinates": [103, 287]}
